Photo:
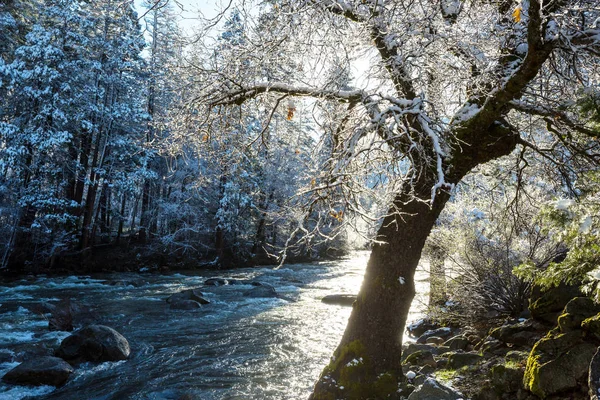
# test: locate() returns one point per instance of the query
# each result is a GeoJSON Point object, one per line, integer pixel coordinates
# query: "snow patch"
{"type": "Point", "coordinates": [563, 204]}
{"type": "Point", "coordinates": [401, 280]}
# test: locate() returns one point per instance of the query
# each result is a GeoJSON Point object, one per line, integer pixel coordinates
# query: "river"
{"type": "Point", "coordinates": [233, 348]}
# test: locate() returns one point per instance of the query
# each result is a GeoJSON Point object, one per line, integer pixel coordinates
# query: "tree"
{"type": "Point", "coordinates": [454, 85]}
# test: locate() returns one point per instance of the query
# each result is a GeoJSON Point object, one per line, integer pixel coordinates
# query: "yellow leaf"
{"type": "Point", "coordinates": [290, 113]}
{"type": "Point", "coordinates": [297, 151]}
{"type": "Point", "coordinates": [205, 138]}
{"type": "Point", "coordinates": [313, 182]}
{"type": "Point", "coordinates": [517, 13]}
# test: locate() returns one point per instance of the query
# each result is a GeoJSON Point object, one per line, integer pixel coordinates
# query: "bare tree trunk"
{"type": "Point", "coordinates": [373, 336]}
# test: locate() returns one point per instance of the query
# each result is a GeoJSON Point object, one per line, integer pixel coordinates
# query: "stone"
{"type": "Point", "coordinates": [261, 291]}
{"type": "Point", "coordinates": [419, 327]}
{"type": "Point", "coordinates": [40, 371]}
{"type": "Point", "coordinates": [340, 299]}
{"type": "Point", "coordinates": [190, 294]}
{"type": "Point", "coordinates": [459, 360]}
{"type": "Point", "coordinates": [215, 282]}
{"type": "Point", "coordinates": [493, 346]}
{"type": "Point", "coordinates": [557, 363]}
{"type": "Point", "coordinates": [94, 343]}
{"type": "Point", "coordinates": [575, 312]}
{"type": "Point", "coordinates": [411, 348]}
{"type": "Point", "coordinates": [458, 342]}
{"type": "Point", "coordinates": [546, 305]}
{"type": "Point", "coordinates": [440, 332]}
{"type": "Point", "coordinates": [524, 333]}
{"type": "Point", "coordinates": [434, 340]}
{"type": "Point", "coordinates": [185, 305]}
{"type": "Point", "coordinates": [516, 356]}
{"type": "Point", "coordinates": [433, 390]}
{"type": "Point", "coordinates": [420, 358]}
{"type": "Point", "coordinates": [591, 326]}
{"type": "Point", "coordinates": [506, 379]}
{"type": "Point", "coordinates": [594, 377]}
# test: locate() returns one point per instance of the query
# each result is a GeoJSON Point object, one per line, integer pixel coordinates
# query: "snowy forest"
{"type": "Point", "coordinates": [98, 146]}
{"type": "Point", "coordinates": [460, 135]}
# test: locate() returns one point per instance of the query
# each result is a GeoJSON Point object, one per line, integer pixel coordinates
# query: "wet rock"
{"type": "Point", "coordinates": [436, 340]}
{"type": "Point", "coordinates": [261, 291]}
{"type": "Point", "coordinates": [419, 327]}
{"type": "Point", "coordinates": [557, 363]}
{"type": "Point", "coordinates": [94, 343]}
{"type": "Point", "coordinates": [576, 311]}
{"type": "Point", "coordinates": [40, 371]}
{"type": "Point", "coordinates": [433, 390]}
{"type": "Point", "coordinates": [340, 299]}
{"type": "Point", "coordinates": [546, 305]}
{"type": "Point", "coordinates": [594, 377]}
{"type": "Point", "coordinates": [190, 294]}
{"type": "Point", "coordinates": [420, 358]}
{"type": "Point", "coordinates": [185, 305]}
{"type": "Point", "coordinates": [414, 347]}
{"type": "Point", "coordinates": [459, 360]}
{"type": "Point", "coordinates": [215, 282]}
{"type": "Point", "coordinates": [440, 332]}
{"type": "Point", "coordinates": [458, 342]}
{"type": "Point", "coordinates": [61, 318]}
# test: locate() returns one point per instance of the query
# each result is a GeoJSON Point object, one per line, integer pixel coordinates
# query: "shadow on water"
{"type": "Point", "coordinates": [236, 347]}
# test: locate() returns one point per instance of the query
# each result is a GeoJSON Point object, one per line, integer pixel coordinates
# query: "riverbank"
{"type": "Point", "coordinates": [547, 354]}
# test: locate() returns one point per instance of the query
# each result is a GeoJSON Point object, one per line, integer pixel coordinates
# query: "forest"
{"type": "Point", "coordinates": [456, 142]}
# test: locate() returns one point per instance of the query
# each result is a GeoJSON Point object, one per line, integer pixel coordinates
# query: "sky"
{"type": "Point", "coordinates": [189, 10]}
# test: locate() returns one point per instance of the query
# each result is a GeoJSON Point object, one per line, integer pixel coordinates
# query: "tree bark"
{"type": "Point", "coordinates": [374, 332]}
{"type": "Point", "coordinates": [373, 336]}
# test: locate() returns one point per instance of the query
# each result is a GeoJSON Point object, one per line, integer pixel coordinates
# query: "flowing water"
{"type": "Point", "coordinates": [236, 347]}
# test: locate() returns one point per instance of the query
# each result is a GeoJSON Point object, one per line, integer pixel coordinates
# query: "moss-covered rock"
{"type": "Point", "coordinates": [420, 358]}
{"type": "Point", "coordinates": [506, 378]}
{"type": "Point", "coordinates": [557, 362]}
{"type": "Point", "coordinates": [591, 326]}
{"type": "Point", "coordinates": [575, 312]}
{"type": "Point", "coordinates": [458, 342]}
{"type": "Point", "coordinates": [546, 305]}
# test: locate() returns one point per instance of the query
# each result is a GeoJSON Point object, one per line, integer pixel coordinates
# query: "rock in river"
{"type": "Point", "coordinates": [261, 291]}
{"type": "Point", "coordinates": [94, 343]}
{"type": "Point", "coordinates": [185, 305]}
{"type": "Point", "coordinates": [190, 294]}
{"type": "Point", "coordinates": [339, 299]}
{"type": "Point", "coordinates": [40, 371]}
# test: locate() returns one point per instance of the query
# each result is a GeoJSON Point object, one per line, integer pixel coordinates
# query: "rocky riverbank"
{"type": "Point", "coordinates": [549, 354]}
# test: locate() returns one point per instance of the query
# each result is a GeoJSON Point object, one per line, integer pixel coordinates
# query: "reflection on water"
{"type": "Point", "coordinates": [234, 348]}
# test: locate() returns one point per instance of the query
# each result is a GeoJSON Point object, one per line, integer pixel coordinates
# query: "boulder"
{"type": "Point", "coordinates": [190, 294]}
{"type": "Point", "coordinates": [591, 326]}
{"type": "Point", "coordinates": [419, 327]}
{"type": "Point", "coordinates": [215, 282]}
{"type": "Point", "coordinates": [420, 358]}
{"type": "Point", "coordinates": [340, 299]}
{"type": "Point", "coordinates": [40, 371]}
{"type": "Point", "coordinates": [557, 363]}
{"type": "Point", "coordinates": [459, 360]}
{"type": "Point", "coordinates": [594, 377]}
{"type": "Point", "coordinates": [440, 332]}
{"type": "Point", "coordinates": [506, 379]}
{"type": "Point", "coordinates": [261, 291]}
{"type": "Point", "coordinates": [546, 305]}
{"type": "Point", "coordinates": [433, 390]}
{"type": "Point", "coordinates": [524, 333]}
{"type": "Point", "coordinates": [94, 343]}
{"type": "Point", "coordinates": [458, 342]}
{"type": "Point", "coordinates": [575, 312]}
{"type": "Point", "coordinates": [185, 305]}
{"type": "Point", "coordinates": [493, 346]}
{"type": "Point", "coordinates": [436, 340]}
{"type": "Point", "coordinates": [411, 348]}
